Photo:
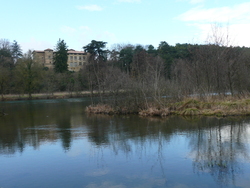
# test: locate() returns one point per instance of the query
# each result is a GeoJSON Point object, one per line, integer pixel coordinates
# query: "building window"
{"type": "Point", "coordinates": [71, 57]}
{"type": "Point", "coordinates": [71, 65]}
{"type": "Point", "coordinates": [49, 56]}
{"type": "Point", "coordinates": [75, 57]}
{"type": "Point", "coordinates": [80, 57]}
{"type": "Point", "coordinates": [75, 65]}
{"type": "Point", "coordinates": [83, 58]}
{"type": "Point", "coordinates": [80, 63]}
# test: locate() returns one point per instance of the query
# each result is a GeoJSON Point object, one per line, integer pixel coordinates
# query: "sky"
{"type": "Point", "coordinates": [38, 25]}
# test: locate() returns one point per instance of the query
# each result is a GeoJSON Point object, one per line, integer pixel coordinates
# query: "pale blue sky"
{"type": "Point", "coordinates": [38, 25]}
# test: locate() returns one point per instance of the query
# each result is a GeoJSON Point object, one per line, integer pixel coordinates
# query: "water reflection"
{"type": "Point", "coordinates": [146, 148]}
{"type": "Point", "coordinates": [33, 123]}
{"type": "Point", "coordinates": [218, 149]}
{"type": "Point", "coordinates": [64, 126]}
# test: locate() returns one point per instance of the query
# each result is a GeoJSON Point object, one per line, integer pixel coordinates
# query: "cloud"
{"type": "Point", "coordinates": [129, 1]}
{"type": "Point", "coordinates": [68, 30]}
{"type": "Point", "coordinates": [82, 35]}
{"type": "Point", "coordinates": [196, 1]}
{"type": "Point", "coordinates": [108, 36]}
{"type": "Point", "coordinates": [84, 28]}
{"type": "Point", "coordinates": [219, 14]}
{"type": "Point", "coordinates": [237, 33]}
{"type": "Point", "coordinates": [90, 8]}
{"type": "Point", "coordinates": [35, 44]}
{"type": "Point", "coordinates": [240, 33]}
{"type": "Point", "coordinates": [192, 1]}
{"type": "Point", "coordinates": [232, 20]}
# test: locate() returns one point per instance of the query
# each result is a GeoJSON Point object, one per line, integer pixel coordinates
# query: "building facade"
{"type": "Point", "coordinates": [76, 59]}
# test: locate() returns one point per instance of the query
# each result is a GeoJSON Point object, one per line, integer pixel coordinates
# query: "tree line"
{"type": "Point", "coordinates": [139, 77]}
{"type": "Point", "coordinates": [140, 74]}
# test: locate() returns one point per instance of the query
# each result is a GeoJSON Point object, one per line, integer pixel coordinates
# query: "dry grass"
{"type": "Point", "coordinates": [190, 112]}
{"type": "Point", "coordinates": [189, 103]}
{"type": "Point", "coordinates": [228, 106]}
{"type": "Point", "coordinates": [152, 111]}
{"type": "Point", "coordinates": [107, 109]}
{"type": "Point", "coordinates": [100, 109]}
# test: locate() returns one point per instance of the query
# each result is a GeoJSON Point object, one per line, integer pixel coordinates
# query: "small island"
{"type": "Point", "coordinates": [188, 107]}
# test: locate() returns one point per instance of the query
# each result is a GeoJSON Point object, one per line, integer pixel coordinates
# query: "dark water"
{"type": "Point", "coordinates": [54, 143]}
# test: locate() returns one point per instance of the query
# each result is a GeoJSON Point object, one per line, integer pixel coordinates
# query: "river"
{"type": "Point", "coordinates": [54, 143]}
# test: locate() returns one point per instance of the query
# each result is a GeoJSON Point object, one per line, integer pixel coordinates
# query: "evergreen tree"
{"type": "Point", "coordinates": [167, 53]}
{"type": "Point", "coordinates": [151, 50]}
{"type": "Point", "coordinates": [61, 57]}
{"type": "Point", "coordinates": [96, 50]}
{"type": "Point", "coordinates": [126, 58]}
{"type": "Point", "coordinates": [16, 51]}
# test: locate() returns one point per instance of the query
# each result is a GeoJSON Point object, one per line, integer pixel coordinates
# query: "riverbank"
{"type": "Point", "coordinates": [227, 106]}
{"type": "Point", "coordinates": [213, 106]}
{"type": "Point", "coordinates": [40, 96]}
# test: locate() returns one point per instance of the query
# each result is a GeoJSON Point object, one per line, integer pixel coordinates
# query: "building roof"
{"type": "Point", "coordinates": [76, 52]}
{"type": "Point", "coordinates": [71, 51]}
{"type": "Point", "coordinates": [38, 51]}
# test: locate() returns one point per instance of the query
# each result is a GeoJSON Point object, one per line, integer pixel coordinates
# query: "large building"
{"type": "Point", "coordinates": [76, 59]}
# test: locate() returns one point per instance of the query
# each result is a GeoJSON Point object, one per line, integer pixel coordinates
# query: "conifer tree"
{"type": "Point", "coordinates": [16, 51]}
{"type": "Point", "coordinates": [61, 57]}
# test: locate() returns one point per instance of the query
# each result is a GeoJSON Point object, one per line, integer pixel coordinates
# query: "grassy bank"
{"type": "Point", "coordinates": [227, 106]}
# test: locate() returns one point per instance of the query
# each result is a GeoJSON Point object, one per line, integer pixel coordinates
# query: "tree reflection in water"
{"type": "Point", "coordinates": [131, 137]}
{"type": "Point", "coordinates": [218, 148]}
{"type": "Point", "coordinates": [217, 145]}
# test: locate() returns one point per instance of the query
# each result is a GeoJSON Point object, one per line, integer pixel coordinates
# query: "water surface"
{"type": "Point", "coordinates": [54, 143]}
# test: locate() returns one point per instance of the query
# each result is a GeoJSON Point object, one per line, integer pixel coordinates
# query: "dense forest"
{"type": "Point", "coordinates": [134, 76]}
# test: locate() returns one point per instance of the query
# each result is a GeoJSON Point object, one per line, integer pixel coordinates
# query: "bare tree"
{"type": "Point", "coordinates": [5, 54]}
{"type": "Point", "coordinates": [4, 80]}
{"type": "Point", "coordinates": [28, 74]}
